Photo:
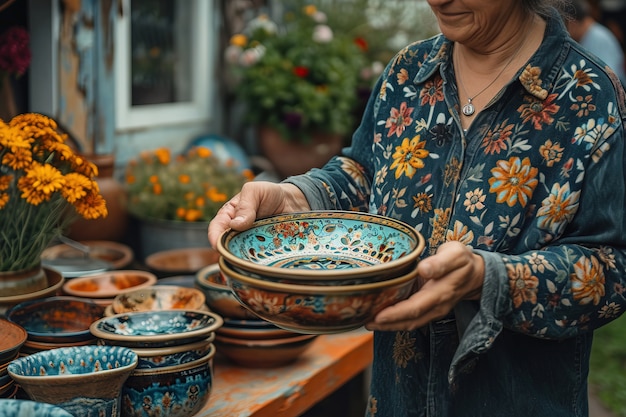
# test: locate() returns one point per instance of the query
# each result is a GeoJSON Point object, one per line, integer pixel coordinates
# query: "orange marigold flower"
{"type": "Point", "coordinates": [163, 155]}
{"type": "Point", "coordinates": [193, 215]}
{"type": "Point", "coordinates": [184, 178]}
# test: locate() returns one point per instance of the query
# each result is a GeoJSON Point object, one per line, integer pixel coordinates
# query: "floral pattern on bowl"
{"type": "Point", "coordinates": [323, 245]}
{"type": "Point", "coordinates": [156, 328]}
{"type": "Point", "coordinates": [173, 355]}
{"type": "Point", "coordinates": [159, 297]}
{"type": "Point", "coordinates": [317, 309]}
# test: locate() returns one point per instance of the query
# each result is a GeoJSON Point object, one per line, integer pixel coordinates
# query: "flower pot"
{"type": "Point", "coordinates": [22, 282]}
{"type": "Point", "coordinates": [293, 157]}
{"type": "Point", "coordinates": [159, 235]}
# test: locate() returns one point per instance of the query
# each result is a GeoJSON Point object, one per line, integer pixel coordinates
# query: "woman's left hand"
{"type": "Point", "coordinates": [453, 274]}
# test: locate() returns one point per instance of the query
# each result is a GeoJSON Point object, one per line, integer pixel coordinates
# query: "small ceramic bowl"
{"type": "Point", "coordinates": [159, 297]}
{"type": "Point", "coordinates": [12, 339]}
{"type": "Point", "coordinates": [217, 294]}
{"type": "Point", "coordinates": [56, 319]}
{"type": "Point", "coordinates": [324, 245]}
{"type": "Point", "coordinates": [55, 282]}
{"type": "Point", "coordinates": [116, 254]}
{"type": "Point", "coordinates": [187, 281]}
{"type": "Point", "coordinates": [172, 391]}
{"type": "Point", "coordinates": [255, 329]}
{"type": "Point", "coordinates": [83, 380]}
{"type": "Point", "coordinates": [150, 329]}
{"type": "Point", "coordinates": [181, 261]}
{"type": "Point", "coordinates": [263, 353]}
{"type": "Point", "coordinates": [25, 408]}
{"type": "Point", "coordinates": [109, 284]}
{"type": "Point", "coordinates": [317, 309]}
{"type": "Point", "coordinates": [173, 355]}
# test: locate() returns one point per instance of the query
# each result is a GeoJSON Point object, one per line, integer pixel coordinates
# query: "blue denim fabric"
{"type": "Point", "coordinates": [553, 272]}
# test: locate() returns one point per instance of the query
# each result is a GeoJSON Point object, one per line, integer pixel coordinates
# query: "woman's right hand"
{"type": "Point", "coordinates": [256, 199]}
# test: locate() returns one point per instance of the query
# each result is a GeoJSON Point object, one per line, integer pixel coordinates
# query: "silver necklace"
{"type": "Point", "coordinates": [468, 109]}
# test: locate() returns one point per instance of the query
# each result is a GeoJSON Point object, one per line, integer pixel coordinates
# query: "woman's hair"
{"type": "Point", "coordinates": [543, 7]}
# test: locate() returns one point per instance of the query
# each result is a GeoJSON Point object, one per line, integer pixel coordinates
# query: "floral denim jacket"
{"type": "Point", "coordinates": [536, 186]}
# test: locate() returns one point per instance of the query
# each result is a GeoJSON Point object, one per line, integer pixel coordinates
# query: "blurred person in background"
{"type": "Point", "coordinates": [597, 38]}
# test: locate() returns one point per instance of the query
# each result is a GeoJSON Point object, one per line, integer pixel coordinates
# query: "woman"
{"type": "Point", "coordinates": [501, 140]}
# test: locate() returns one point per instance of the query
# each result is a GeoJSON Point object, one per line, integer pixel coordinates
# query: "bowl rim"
{"type": "Point", "coordinates": [151, 352]}
{"type": "Point", "coordinates": [265, 343]}
{"type": "Point", "coordinates": [56, 280]}
{"type": "Point", "coordinates": [155, 288]}
{"type": "Point", "coordinates": [317, 289]}
{"type": "Point", "coordinates": [150, 259]}
{"type": "Point", "coordinates": [126, 251]}
{"type": "Point", "coordinates": [218, 321]}
{"type": "Point", "coordinates": [151, 279]}
{"type": "Point", "coordinates": [229, 234]}
{"type": "Point", "coordinates": [176, 368]}
{"type": "Point", "coordinates": [39, 379]}
{"type": "Point", "coordinates": [204, 283]}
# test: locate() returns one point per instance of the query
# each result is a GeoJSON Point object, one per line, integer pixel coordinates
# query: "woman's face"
{"type": "Point", "coordinates": [475, 22]}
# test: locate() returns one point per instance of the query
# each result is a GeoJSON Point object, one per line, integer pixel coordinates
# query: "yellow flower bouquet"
{"type": "Point", "coordinates": [44, 186]}
{"type": "Point", "coordinates": [190, 187]}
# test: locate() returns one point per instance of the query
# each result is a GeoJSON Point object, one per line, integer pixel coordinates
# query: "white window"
{"type": "Point", "coordinates": [163, 63]}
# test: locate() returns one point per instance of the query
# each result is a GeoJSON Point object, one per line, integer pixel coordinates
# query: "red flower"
{"type": "Point", "coordinates": [14, 51]}
{"type": "Point", "coordinates": [301, 72]}
{"type": "Point", "coordinates": [361, 43]}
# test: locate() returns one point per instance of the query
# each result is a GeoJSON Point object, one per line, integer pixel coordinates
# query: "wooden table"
{"type": "Point", "coordinates": [289, 391]}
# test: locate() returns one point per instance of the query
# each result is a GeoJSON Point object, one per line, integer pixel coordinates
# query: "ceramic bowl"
{"type": "Point", "coordinates": [116, 254]}
{"type": "Point", "coordinates": [187, 281]}
{"type": "Point", "coordinates": [323, 245]}
{"type": "Point", "coordinates": [263, 353]}
{"type": "Point", "coordinates": [255, 329]}
{"type": "Point", "coordinates": [217, 294]}
{"type": "Point", "coordinates": [84, 380]}
{"type": "Point", "coordinates": [149, 329]}
{"type": "Point", "coordinates": [25, 408]}
{"type": "Point", "coordinates": [181, 261]}
{"type": "Point", "coordinates": [317, 309]}
{"type": "Point", "coordinates": [109, 284]}
{"type": "Point", "coordinates": [57, 319]}
{"type": "Point", "coordinates": [173, 355]}
{"type": "Point", "coordinates": [12, 339]}
{"type": "Point", "coordinates": [171, 391]}
{"type": "Point", "coordinates": [159, 297]}
{"type": "Point", "coordinates": [55, 282]}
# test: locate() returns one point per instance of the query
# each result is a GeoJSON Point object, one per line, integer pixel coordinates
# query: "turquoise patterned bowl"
{"type": "Point", "coordinates": [317, 309]}
{"type": "Point", "coordinates": [83, 380]}
{"type": "Point", "coordinates": [323, 246]}
{"type": "Point", "coordinates": [24, 408]}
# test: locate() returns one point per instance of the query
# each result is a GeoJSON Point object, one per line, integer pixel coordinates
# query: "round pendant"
{"type": "Point", "coordinates": [468, 109]}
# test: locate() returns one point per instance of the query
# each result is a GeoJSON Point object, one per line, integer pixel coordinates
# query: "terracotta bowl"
{"type": "Point", "coordinates": [263, 353]}
{"type": "Point", "coordinates": [56, 319]}
{"type": "Point", "coordinates": [323, 245]}
{"type": "Point", "coordinates": [217, 294]}
{"type": "Point", "coordinates": [22, 408]}
{"type": "Point", "coordinates": [150, 329]}
{"type": "Point", "coordinates": [109, 284]}
{"type": "Point", "coordinates": [55, 282]}
{"type": "Point", "coordinates": [116, 254]}
{"type": "Point", "coordinates": [83, 380]}
{"type": "Point", "coordinates": [159, 297]}
{"type": "Point", "coordinates": [12, 339]}
{"type": "Point", "coordinates": [170, 391]}
{"type": "Point", "coordinates": [317, 309]}
{"type": "Point", "coordinates": [181, 261]}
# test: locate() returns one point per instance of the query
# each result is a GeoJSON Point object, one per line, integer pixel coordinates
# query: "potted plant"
{"type": "Point", "coordinates": [174, 197]}
{"type": "Point", "coordinates": [44, 187]}
{"type": "Point", "coordinates": [298, 81]}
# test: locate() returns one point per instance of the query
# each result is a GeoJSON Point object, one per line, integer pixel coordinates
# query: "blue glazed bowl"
{"type": "Point", "coordinates": [25, 408]}
{"type": "Point", "coordinates": [56, 319]}
{"type": "Point", "coordinates": [173, 355]}
{"type": "Point", "coordinates": [150, 329]}
{"type": "Point", "coordinates": [172, 391]}
{"type": "Point", "coordinates": [83, 380]}
{"type": "Point", "coordinates": [323, 245]}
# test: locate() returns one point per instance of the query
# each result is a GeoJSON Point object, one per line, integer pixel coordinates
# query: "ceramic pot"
{"type": "Point", "coordinates": [22, 282]}
{"type": "Point", "coordinates": [160, 235]}
{"type": "Point", "coordinates": [297, 157]}
{"type": "Point", "coordinates": [113, 226]}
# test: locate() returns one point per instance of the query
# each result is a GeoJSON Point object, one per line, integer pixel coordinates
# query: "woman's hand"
{"type": "Point", "coordinates": [256, 199]}
{"type": "Point", "coordinates": [453, 274]}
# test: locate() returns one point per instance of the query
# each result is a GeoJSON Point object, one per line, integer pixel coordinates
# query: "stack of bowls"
{"type": "Point", "coordinates": [244, 338]}
{"type": "Point", "coordinates": [103, 287]}
{"type": "Point", "coordinates": [12, 339]}
{"type": "Point", "coordinates": [55, 322]}
{"type": "Point", "coordinates": [83, 380]}
{"type": "Point", "coordinates": [157, 297]}
{"type": "Point", "coordinates": [321, 272]}
{"type": "Point", "coordinates": [175, 350]}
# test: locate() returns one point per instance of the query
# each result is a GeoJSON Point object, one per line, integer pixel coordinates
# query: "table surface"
{"type": "Point", "coordinates": [288, 391]}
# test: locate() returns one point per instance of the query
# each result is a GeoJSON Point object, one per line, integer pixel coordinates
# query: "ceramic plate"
{"type": "Point", "coordinates": [13, 337]}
